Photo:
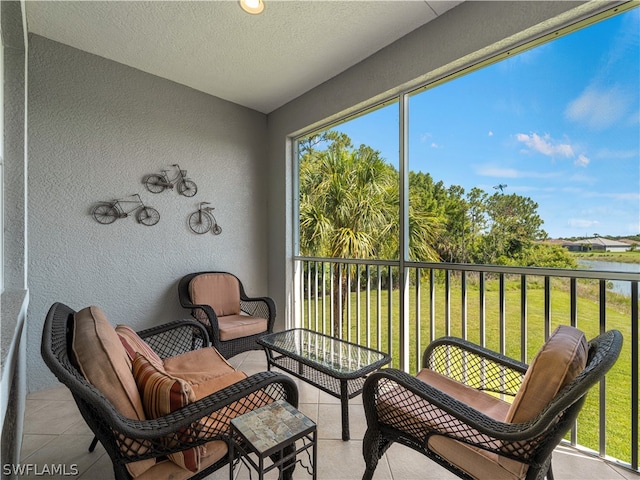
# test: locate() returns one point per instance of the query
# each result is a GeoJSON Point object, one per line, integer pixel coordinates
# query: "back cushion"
{"type": "Point", "coordinates": [557, 363]}
{"type": "Point", "coordinates": [219, 290]}
{"type": "Point", "coordinates": [104, 363]}
{"type": "Point", "coordinates": [133, 344]}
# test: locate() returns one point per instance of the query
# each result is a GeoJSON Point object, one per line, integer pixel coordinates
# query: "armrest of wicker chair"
{"type": "Point", "coordinates": [174, 338]}
{"type": "Point", "coordinates": [198, 423]}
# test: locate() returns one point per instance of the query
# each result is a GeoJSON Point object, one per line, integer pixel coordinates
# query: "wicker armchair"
{"type": "Point", "coordinates": [476, 441]}
{"type": "Point", "coordinates": [234, 320]}
{"type": "Point", "coordinates": [130, 441]}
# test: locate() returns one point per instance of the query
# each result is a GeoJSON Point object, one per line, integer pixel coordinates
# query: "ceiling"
{"type": "Point", "coordinates": [261, 62]}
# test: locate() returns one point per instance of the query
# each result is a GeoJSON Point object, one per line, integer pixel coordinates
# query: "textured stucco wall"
{"type": "Point", "coordinates": [14, 298]}
{"type": "Point", "coordinates": [96, 128]}
{"type": "Point", "coordinates": [14, 141]}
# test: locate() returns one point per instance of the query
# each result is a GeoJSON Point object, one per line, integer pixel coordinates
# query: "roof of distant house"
{"type": "Point", "coordinates": [630, 241]}
{"type": "Point", "coordinates": [605, 242]}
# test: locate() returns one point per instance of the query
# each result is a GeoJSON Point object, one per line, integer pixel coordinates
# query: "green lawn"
{"type": "Point", "coordinates": [624, 257]}
{"type": "Point", "coordinates": [618, 388]}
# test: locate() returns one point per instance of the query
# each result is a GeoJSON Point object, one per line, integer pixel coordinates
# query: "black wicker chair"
{"type": "Point", "coordinates": [126, 440]}
{"type": "Point", "coordinates": [248, 308]}
{"type": "Point", "coordinates": [531, 443]}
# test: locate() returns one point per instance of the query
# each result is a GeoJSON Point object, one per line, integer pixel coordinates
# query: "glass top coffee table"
{"type": "Point", "coordinates": [334, 366]}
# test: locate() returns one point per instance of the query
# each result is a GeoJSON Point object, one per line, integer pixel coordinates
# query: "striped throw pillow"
{"type": "Point", "coordinates": [162, 394]}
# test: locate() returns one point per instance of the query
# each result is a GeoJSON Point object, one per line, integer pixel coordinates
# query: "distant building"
{"type": "Point", "coordinates": [575, 246]}
{"type": "Point", "coordinates": [598, 244]}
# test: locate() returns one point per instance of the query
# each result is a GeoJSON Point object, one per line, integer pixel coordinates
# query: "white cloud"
{"type": "Point", "coordinates": [598, 108]}
{"type": "Point", "coordinates": [581, 161]}
{"type": "Point", "coordinates": [435, 145]}
{"type": "Point", "coordinates": [490, 133]}
{"type": "Point", "coordinates": [545, 145]}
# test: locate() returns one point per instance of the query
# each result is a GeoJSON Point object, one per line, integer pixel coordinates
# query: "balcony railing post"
{"type": "Point", "coordinates": [432, 304]}
{"type": "Point", "coordinates": [418, 350]}
{"type": "Point", "coordinates": [348, 299]}
{"type": "Point", "coordinates": [547, 307]}
{"type": "Point", "coordinates": [463, 307]}
{"type": "Point", "coordinates": [573, 287]}
{"type": "Point", "coordinates": [635, 366]}
{"type": "Point", "coordinates": [523, 319]}
{"type": "Point", "coordinates": [503, 315]}
{"type": "Point", "coordinates": [390, 312]}
{"type": "Point", "coordinates": [482, 310]}
{"type": "Point", "coordinates": [368, 307]}
{"type": "Point", "coordinates": [603, 390]}
{"type": "Point", "coordinates": [447, 302]}
{"type": "Point", "coordinates": [379, 310]}
{"type": "Point", "coordinates": [358, 329]}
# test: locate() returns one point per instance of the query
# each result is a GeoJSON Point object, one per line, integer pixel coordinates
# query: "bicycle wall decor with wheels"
{"type": "Point", "coordinates": [109, 212]}
{"type": "Point", "coordinates": [202, 220]}
{"type": "Point", "coordinates": [157, 183]}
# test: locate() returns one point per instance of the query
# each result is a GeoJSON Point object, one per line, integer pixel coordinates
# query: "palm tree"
{"type": "Point", "coordinates": [349, 201]}
{"type": "Point", "coordinates": [346, 207]}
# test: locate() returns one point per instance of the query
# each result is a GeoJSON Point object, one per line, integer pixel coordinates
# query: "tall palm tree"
{"type": "Point", "coordinates": [349, 208]}
{"type": "Point", "coordinates": [346, 206]}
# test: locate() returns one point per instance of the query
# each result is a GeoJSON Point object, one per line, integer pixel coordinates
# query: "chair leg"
{"type": "Point", "coordinates": [370, 449]}
{"type": "Point", "coordinates": [94, 442]}
{"type": "Point", "coordinates": [550, 472]}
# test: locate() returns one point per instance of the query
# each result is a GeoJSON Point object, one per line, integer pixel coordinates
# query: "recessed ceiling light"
{"type": "Point", "coordinates": [253, 7]}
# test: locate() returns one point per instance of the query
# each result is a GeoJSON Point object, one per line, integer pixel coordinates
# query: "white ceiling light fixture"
{"type": "Point", "coordinates": [254, 7]}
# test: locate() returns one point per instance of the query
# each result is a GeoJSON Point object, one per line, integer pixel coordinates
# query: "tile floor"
{"type": "Point", "coordinates": [54, 432]}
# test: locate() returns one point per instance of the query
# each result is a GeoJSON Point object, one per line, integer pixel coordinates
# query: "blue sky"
{"type": "Point", "coordinates": [559, 123]}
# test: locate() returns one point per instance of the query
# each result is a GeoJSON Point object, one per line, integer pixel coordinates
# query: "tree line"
{"type": "Point", "coordinates": [349, 208]}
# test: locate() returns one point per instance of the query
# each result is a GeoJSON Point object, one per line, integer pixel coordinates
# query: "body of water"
{"type": "Point", "coordinates": [621, 287]}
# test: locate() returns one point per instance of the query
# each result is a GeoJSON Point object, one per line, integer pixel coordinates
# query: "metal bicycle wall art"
{"type": "Point", "coordinates": [202, 220]}
{"type": "Point", "coordinates": [109, 212]}
{"type": "Point", "coordinates": [157, 183]}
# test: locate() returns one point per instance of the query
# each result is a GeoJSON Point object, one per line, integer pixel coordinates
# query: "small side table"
{"type": "Point", "coordinates": [268, 430]}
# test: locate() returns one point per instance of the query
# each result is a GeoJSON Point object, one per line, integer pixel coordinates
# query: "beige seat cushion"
{"type": "Point", "coordinates": [167, 470]}
{"type": "Point", "coordinates": [476, 462]}
{"type": "Point", "coordinates": [556, 364]}
{"type": "Point", "coordinates": [219, 290]}
{"type": "Point", "coordinates": [212, 385]}
{"type": "Point", "coordinates": [104, 363]}
{"type": "Point", "coordinates": [205, 369]}
{"type": "Point", "coordinates": [237, 326]}
{"type": "Point", "coordinates": [198, 365]}
{"type": "Point", "coordinates": [400, 408]}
